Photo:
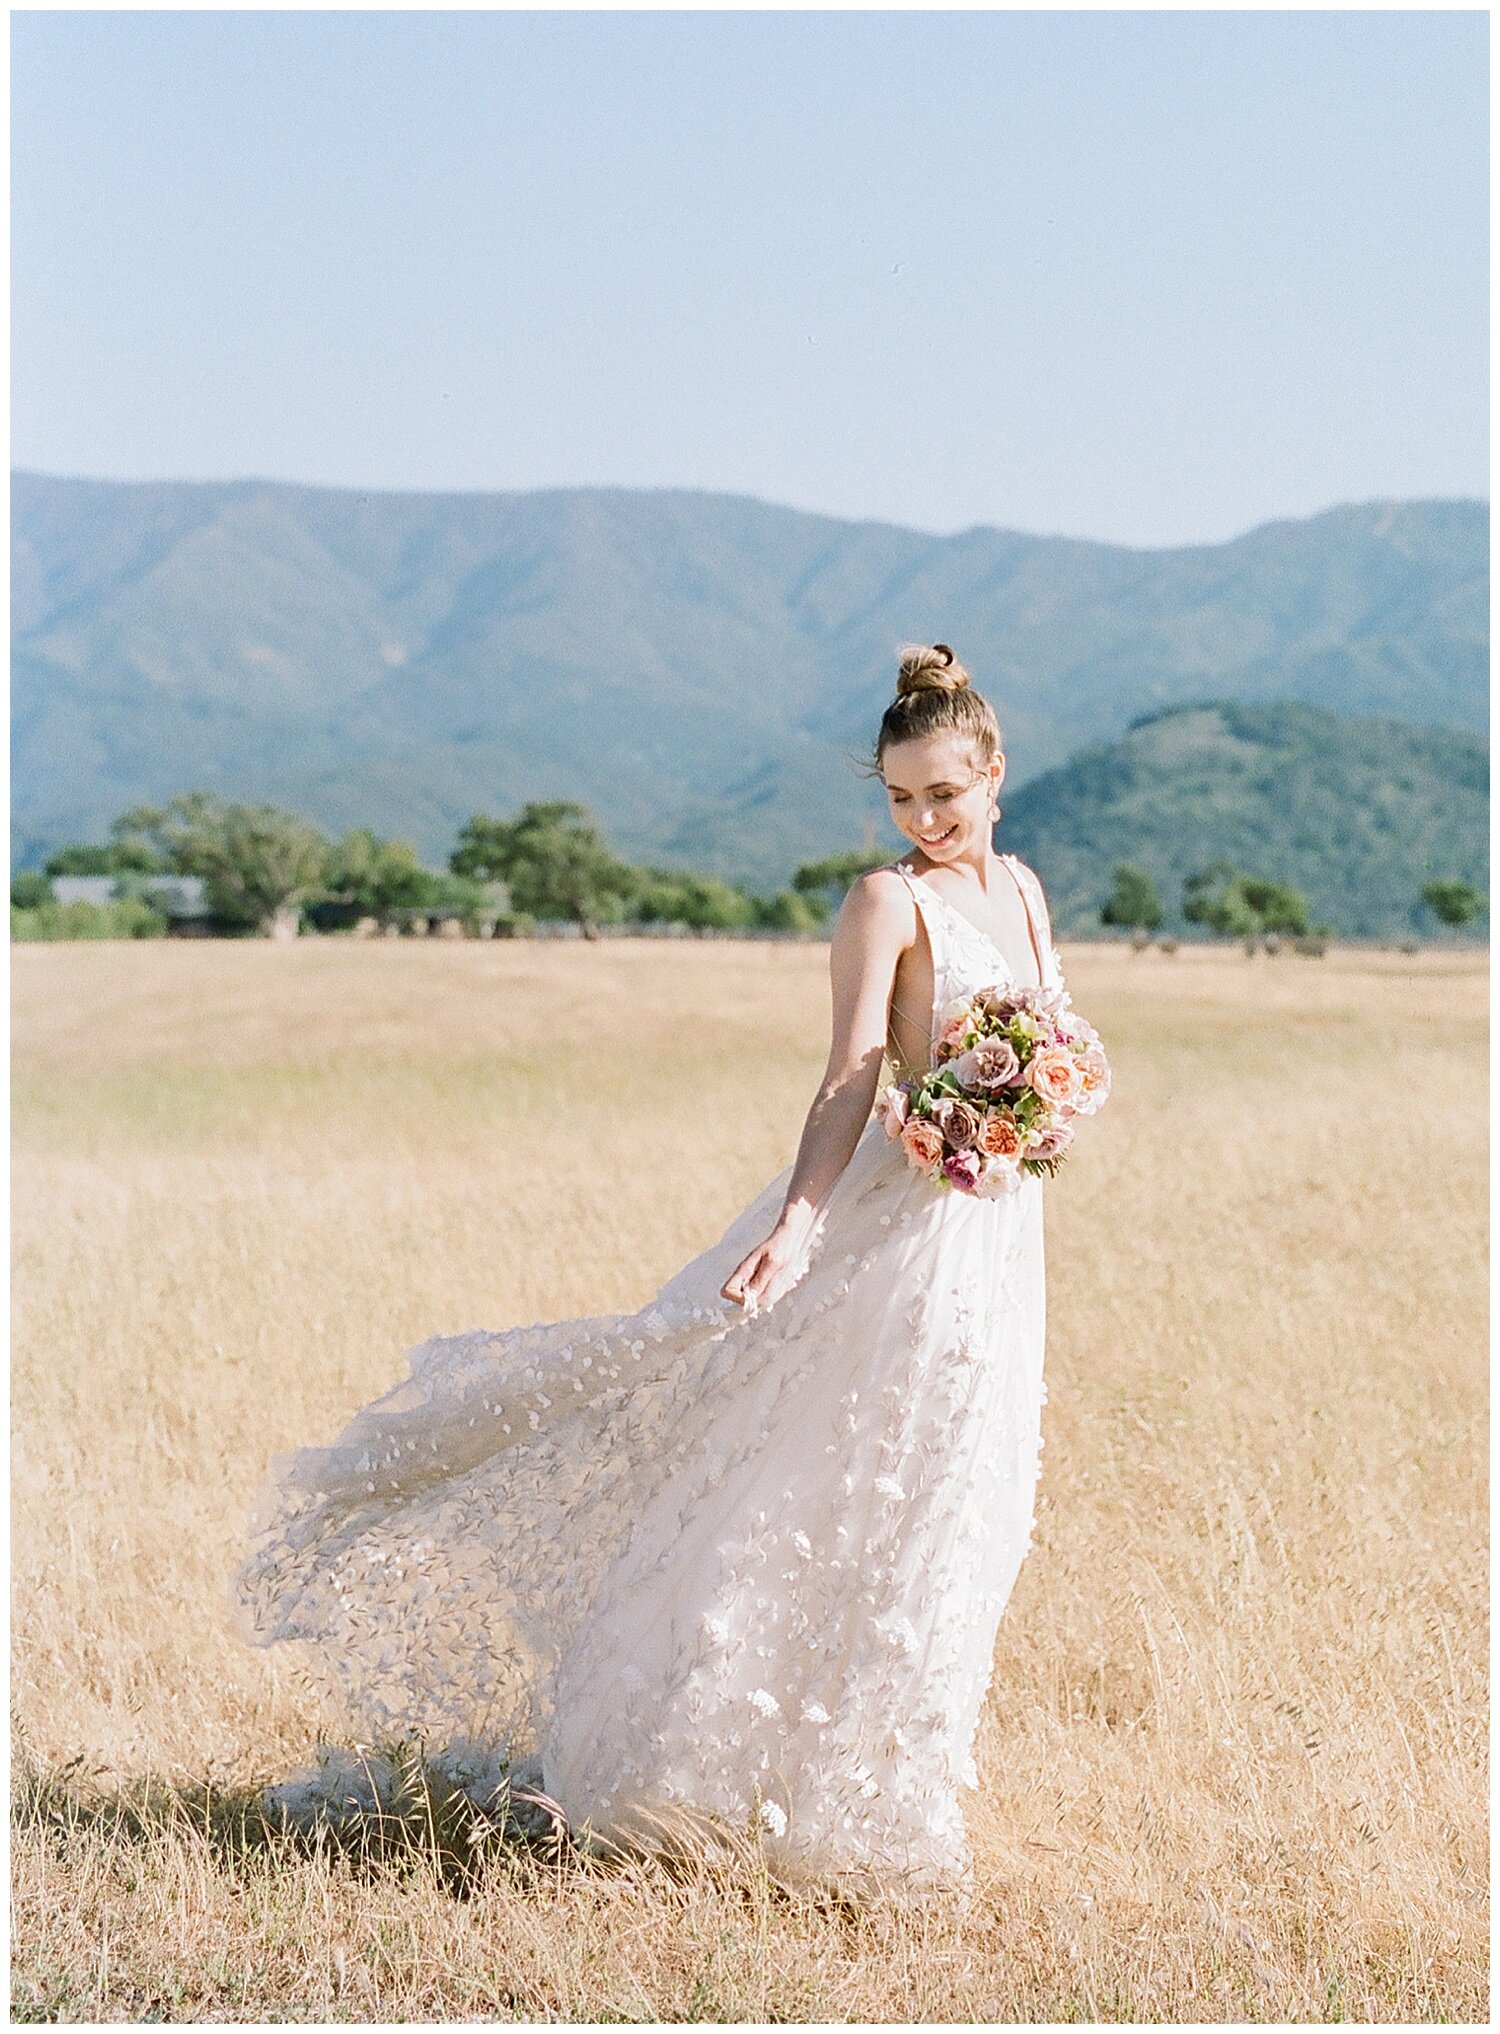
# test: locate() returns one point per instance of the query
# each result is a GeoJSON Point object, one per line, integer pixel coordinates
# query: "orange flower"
{"type": "Point", "coordinates": [1000, 1135]}
{"type": "Point", "coordinates": [923, 1142]}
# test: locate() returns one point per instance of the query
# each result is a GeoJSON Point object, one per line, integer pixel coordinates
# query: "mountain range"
{"type": "Point", "coordinates": [1358, 812]}
{"type": "Point", "coordinates": [705, 671]}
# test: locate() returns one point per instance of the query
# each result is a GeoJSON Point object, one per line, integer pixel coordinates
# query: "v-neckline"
{"type": "Point", "coordinates": [978, 931]}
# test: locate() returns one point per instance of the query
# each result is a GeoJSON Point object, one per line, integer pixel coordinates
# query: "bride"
{"type": "Point", "coordinates": [735, 1560]}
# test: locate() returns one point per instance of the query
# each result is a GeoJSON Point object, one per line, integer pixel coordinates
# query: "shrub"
{"type": "Point", "coordinates": [127, 918]}
{"type": "Point", "coordinates": [29, 887]}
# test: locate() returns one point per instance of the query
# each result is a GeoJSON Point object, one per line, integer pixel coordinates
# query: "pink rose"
{"type": "Point", "coordinates": [1054, 1073]}
{"type": "Point", "coordinates": [963, 1170]}
{"type": "Point", "coordinates": [990, 1065]}
{"type": "Point", "coordinates": [1053, 1143]}
{"type": "Point", "coordinates": [923, 1142]}
{"type": "Point", "coordinates": [950, 1037]}
{"type": "Point", "coordinates": [893, 1106]}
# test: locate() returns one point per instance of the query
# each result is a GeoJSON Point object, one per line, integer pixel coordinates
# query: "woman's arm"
{"type": "Point", "coordinates": [874, 928]}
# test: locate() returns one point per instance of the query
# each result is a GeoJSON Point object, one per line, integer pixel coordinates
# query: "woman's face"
{"type": "Point", "coordinates": [940, 794]}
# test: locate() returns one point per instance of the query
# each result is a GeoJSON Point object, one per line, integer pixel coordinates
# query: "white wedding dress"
{"type": "Point", "coordinates": [692, 1559]}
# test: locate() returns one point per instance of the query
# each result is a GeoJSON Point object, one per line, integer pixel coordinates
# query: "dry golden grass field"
{"type": "Point", "coordinates": [1233, 1760]}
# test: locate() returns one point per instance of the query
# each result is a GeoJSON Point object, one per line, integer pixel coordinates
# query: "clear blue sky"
{"type": "Point", "coordinates": [1146, 277]}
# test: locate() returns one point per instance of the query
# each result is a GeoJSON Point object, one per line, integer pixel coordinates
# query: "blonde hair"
{"type": "Point", "coordinates": [934, 696]}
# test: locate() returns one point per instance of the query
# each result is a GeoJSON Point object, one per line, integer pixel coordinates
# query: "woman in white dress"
{"type": "Point", "coordinates": [736, 1559]}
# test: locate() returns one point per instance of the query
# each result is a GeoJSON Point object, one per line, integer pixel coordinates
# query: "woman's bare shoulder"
{"type": "Point", "coordinates": [890, 880]}
{"type": "Point", "coordinates": [880, 901]}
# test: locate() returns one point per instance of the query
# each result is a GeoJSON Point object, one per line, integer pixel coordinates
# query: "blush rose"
{"type": "Point", "coordinates": [1054, 1073]}
{"type": "Point", "coordinates": [922, 1141]}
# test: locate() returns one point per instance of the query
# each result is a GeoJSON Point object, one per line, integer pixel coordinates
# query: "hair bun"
{"type": "Point", "coordinates": [929, 667]}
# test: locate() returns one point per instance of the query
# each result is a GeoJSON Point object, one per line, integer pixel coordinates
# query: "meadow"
{"type": "Point", "coordinates": [1233, 1763]}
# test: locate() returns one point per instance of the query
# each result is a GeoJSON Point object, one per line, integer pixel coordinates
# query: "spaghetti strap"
{"type": "Point", "coordinates": [916, 888]}
{"type": "Point", "coordinates": [909, 880]}
{"type": "Point", "coordinates": [897, 1058]}
{"type": "Point", "coordinates": [1049, 960]}
{"type": "Point", "coordinates": [1024, 886]}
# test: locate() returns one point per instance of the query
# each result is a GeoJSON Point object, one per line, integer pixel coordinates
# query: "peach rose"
{"type": "Point", "coordinates": [1094, 1079]}
{"type": "Point", "coordinates": [1055, 1075]}
{"type": "Point", "coordinates": [923, 1142]}
{"type": "Point", "coordinates": [1000, 1135]}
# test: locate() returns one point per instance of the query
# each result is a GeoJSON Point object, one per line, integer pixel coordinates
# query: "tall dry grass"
{"type": "Point", "coordinates": [1233, 1760]}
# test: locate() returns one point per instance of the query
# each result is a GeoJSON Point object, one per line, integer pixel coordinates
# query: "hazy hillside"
{"type": "Point", "coordinates": [1358, 813]}
{"type": "Point", "coordinates": [700, 668]}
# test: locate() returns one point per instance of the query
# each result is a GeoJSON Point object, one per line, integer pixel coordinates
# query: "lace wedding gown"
{"type": "Point", "coordinates": [693, 1559]}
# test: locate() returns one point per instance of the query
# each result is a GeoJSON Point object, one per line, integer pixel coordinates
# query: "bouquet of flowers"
{"type": "Point", "coordinates": [1013, 1070]}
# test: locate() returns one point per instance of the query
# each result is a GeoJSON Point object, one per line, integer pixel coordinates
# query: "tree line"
{"type": "Point", "coordinates": [266, 870]}
{"type": "Point", "coordinates": [1239, 906]}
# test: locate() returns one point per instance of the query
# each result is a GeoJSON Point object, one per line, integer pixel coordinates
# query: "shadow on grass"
{"type": "Point", "coordinates": [395, 1811]}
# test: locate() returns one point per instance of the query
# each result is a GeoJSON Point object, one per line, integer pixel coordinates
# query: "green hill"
{"type": "Point", "coordinates": [702, 669]}
{"type": "Point", "coordinates": [1358, 813]}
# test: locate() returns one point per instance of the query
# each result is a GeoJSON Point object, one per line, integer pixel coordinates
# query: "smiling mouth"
{"type": "Point", "coordinates": [937, 839]}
